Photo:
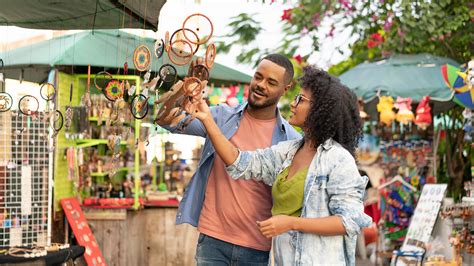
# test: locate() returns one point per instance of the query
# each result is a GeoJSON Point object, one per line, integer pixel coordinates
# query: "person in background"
{"type": "Point", "coordinates": [317, 190]}
{"type": "Point", "coordinates": [225, 210]}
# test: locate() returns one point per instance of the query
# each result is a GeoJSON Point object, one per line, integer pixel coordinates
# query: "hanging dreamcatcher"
{"type": "Point", "coordinates": [200, 25]}
{"type": "Point", "coordinates": [181, 52]}
{"type": "Point", "coordinates": [6, 100]}
{"type": "Point", "coordinates": [142, 58]}
{"type": "Point", "coordinates": [159, 48]}
{"type": "Point", "coordinates": [180, 35]}
{"type": "Point", "coordinates": [210, 55]}
{"type": "Point", "coordinates": [28, 105]}
{"type": "Point", "coordinates": [113, 90]}
{"type": "Point", "coordinates": [139, 106]}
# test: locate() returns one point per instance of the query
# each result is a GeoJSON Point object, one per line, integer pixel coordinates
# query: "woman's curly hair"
{"type": "Point", "coordinates": [334, 110]}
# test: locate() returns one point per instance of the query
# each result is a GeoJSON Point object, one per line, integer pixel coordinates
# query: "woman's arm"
{"type": "Point", "coordinates": [326, 226]}
{"type": "Point", "coordinates": [260, 165]}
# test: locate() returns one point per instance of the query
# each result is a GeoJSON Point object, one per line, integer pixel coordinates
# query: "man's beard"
{"type": "Point", "coordinates": [263, 104]}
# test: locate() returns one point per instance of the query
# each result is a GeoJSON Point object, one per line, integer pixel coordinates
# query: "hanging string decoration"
{"type": "Point", "coordinates": [142, 58]}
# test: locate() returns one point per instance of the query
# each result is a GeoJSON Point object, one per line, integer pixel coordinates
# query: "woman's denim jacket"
{"type": "Point", "coordinates": [333, 186]}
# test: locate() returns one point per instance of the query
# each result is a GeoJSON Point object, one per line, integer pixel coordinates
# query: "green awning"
{"type": "Point", "coordinates": [81, 14]}
{"type": "Point", "coordinates": [401, 75]}
{"type": "Point", "coordinates": [108, 49]}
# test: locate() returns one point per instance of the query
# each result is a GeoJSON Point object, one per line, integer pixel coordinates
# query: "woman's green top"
{"type": "Point", "coordinates": [288, 194]}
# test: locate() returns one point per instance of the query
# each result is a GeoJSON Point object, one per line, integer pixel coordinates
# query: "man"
{"type": "Point", "coordinates": [224, 210]}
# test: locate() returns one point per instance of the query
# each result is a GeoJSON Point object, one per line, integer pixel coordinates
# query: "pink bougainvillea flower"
{"type": "Point", "coordinates": [315, 20]}
{"type": "Point", "coordinates": [375, 39]}
{"type": "Point", "coordinates": [298, 58]}
{"type": "Point", "coordinates": [387, 26]}
{"type": "Point", "coordinates": [286, 15]}
{"type": "Point", "coordinates": [304, 31]}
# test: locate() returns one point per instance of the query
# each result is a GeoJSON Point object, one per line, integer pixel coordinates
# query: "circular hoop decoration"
{"type": "Point", "coordinates": [142, 58]}
{"type": "Point", "coordinates": [179, 35]}
{"type": "Point", "coordinates": [113, 90]}
{"type": "Point", "coordinates": [139, 106]}
{"type": "Point", "coordinates": [102, 75]}
{"type": "Point", "coordinates": [159, 48]}
{"type": "Point", "coordinates": [167, 73]}
{"type": "Point", "coordinates": [210, 55]}
{"type": "Point", "coordinates": [192, 87]}
{"type": "Point", "coordinates": [57, 121]}
{"type": "Point", "coordinates": [28, 105]}
{"type": "Point", "coordinates": [6, 101]}
{"type": "Point", "coordinates": [47, 91]}
{"type": "Point", "coordinates": [201, 25]}
{"type": "Point", "coordinates": [181, 52]}
{"type": "Point", "coordinates": [167, 41]}
{"type": "Point", "coordinates": [201, 72]}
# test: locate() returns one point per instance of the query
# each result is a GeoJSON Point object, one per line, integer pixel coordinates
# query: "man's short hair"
{"type": "Point", "coordinates": [284, 62]}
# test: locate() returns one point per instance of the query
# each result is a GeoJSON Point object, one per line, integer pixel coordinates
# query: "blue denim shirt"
{"type": "Point", "coordinates": [228, 120]}
{"type": "Point", "coordinates": [333, 186]}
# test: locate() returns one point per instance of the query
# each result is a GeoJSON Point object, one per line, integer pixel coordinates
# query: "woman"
{"type": "Point", "coordinates": [317, 190]}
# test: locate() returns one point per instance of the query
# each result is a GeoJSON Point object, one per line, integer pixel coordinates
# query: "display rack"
{"type": "Point", "coordinates": [25, 180]}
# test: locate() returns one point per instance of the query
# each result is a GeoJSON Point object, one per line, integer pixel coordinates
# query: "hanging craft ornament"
{"type": "Point", "coordinates": [423, 114]}
{"type": "Point", "coordinates": [385, 108]}
{"type": "Point", "coordinates": [142, 58]}
{"type": "Point", "coordinates": [201, 25]}
{"type": "Point", "coordinates": [179, 35]}
{"type": "Point", "coordinates": [181, 52]}
{"type": "Point", "coordinates": [28, 105]}
{"type": "Point", "coordinates": [47, 91]}
{"type": "Point", "coordinates": [69, 114]}
{"type": "Point", "coordinates": [404, 115]}
{"type": "Point", "coordinates": [210, 55]}
{"type": "Point", "coordinates": [100, 76]}
{"type": "Point", "coordinates": [86, 98]}
{"type": "Point", "coordinates": [139, 106]}
{"type": "Point", "coordinates": [56, 122]}
{"type": "Point", "coordinates": [199, 71]}
{"type": "Point", "coordinates": [167, 41]}
{"type": "Point", "coordinates": [6, 100]}
{"type": "Point", "coordinates": [159, 48]}
{"type": "Point", "coordinates": [114, 90]}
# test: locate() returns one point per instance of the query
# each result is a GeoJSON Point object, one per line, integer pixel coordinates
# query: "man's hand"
{"type": "Point", "coordinates": [276, 225]}
{"type": "Point", "coordinates": [198, 109]}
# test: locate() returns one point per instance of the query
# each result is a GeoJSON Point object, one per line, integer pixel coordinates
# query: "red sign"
{"type": "Point", "coordinates": [81, 230]}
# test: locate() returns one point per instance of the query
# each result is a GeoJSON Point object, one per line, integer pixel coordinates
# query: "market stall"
{"type": "Point", "coordinates": [415, 136]}
{"type": "Point", "coordinates": [126, 173]}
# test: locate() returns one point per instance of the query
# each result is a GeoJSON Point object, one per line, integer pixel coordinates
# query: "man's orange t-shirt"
{"type": "Point", "coordinates": [232, 207]}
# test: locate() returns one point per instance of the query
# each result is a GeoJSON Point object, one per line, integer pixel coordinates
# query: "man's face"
{"type": "Point", "coordinates": [267, 85]}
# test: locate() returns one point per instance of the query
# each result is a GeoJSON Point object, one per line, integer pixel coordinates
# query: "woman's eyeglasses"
{"type": "Point", "coordinates": [298, 98]}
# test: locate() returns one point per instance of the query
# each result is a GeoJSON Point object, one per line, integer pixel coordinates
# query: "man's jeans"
{"type": "Point", "coordinates": [212, 251]}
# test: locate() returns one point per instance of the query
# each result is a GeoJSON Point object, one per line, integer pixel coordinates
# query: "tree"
{"type": "Point", "coordinates": [382, 27]}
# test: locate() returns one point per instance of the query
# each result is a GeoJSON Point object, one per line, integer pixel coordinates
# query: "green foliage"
{"type": "Point", "coordinates": [443, 28]}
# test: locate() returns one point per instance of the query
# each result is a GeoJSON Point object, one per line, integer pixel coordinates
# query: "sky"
{"type": "Point", "coordinates": [220, 12]}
